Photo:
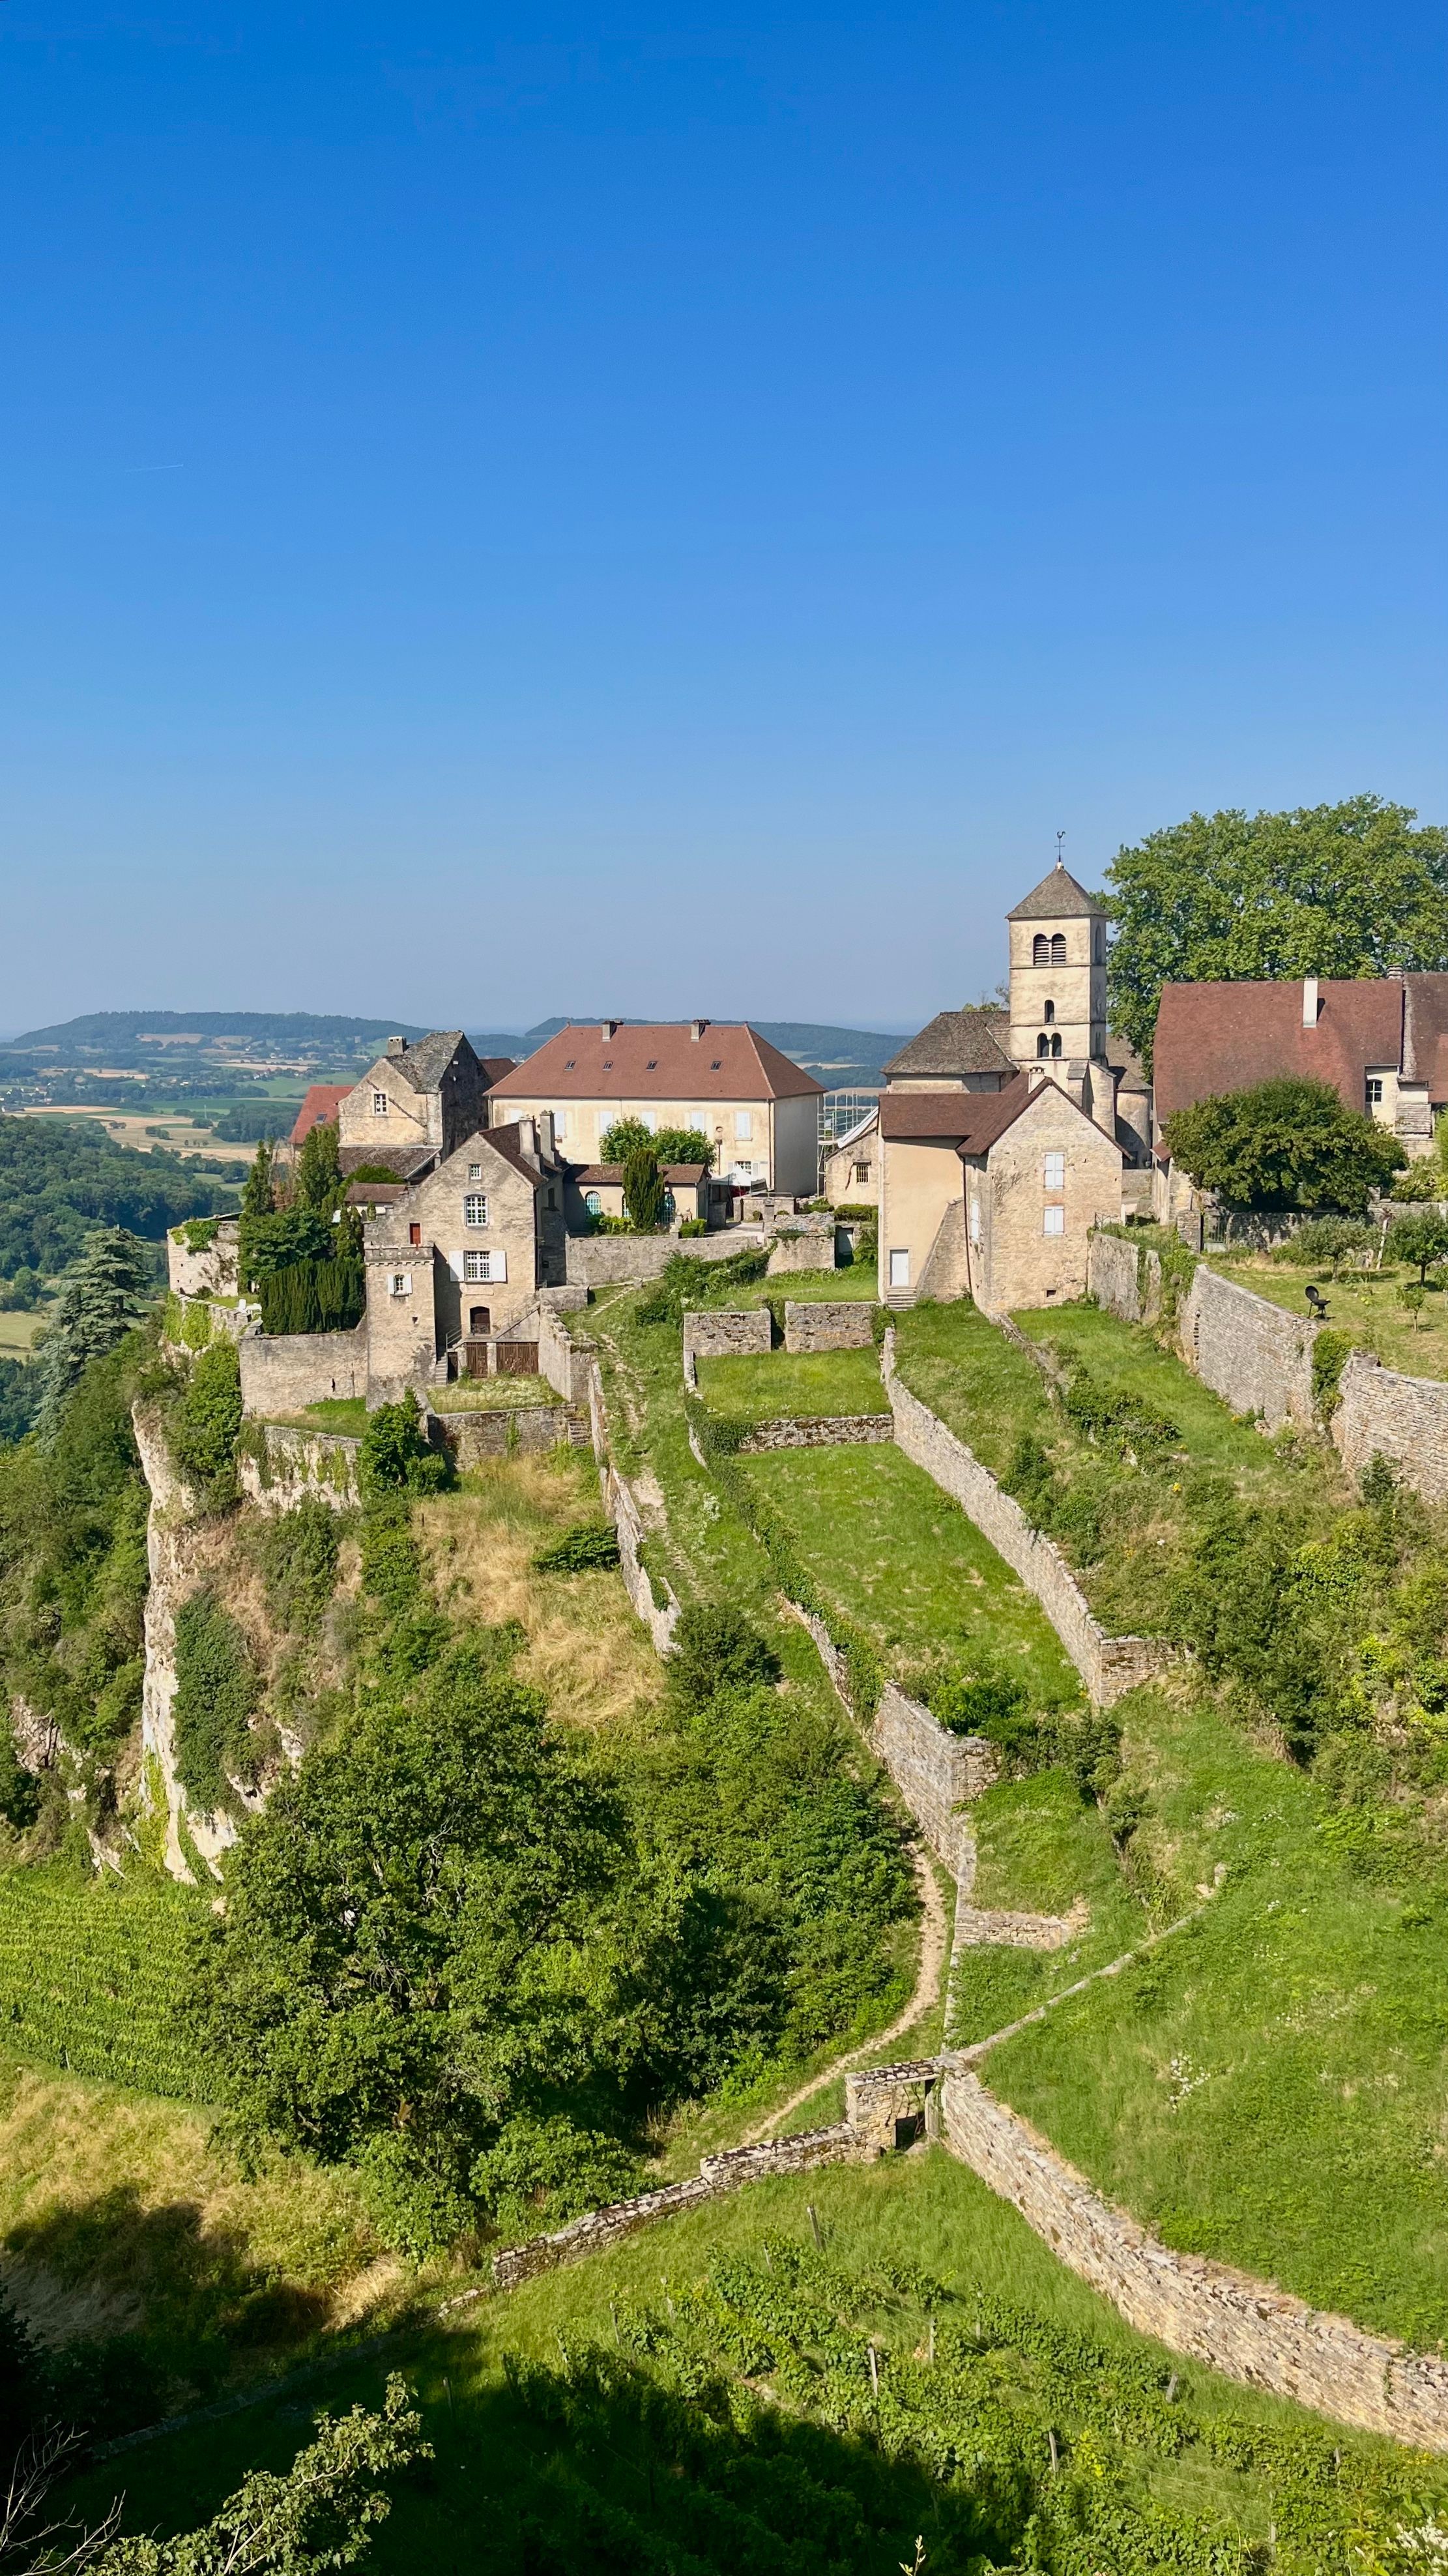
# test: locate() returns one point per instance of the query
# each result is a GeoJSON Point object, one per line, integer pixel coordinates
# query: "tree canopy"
{"type": "Point", "coordinates": [668, 1144]}
{"type": "Point", "coordinates": [1334, 890]}
{"type": "Point", "coordinates": [1284, 1144]}
{"type": "Point", "coordinates": [57, 1182]}
{"type": "Point", "coordinates": [104, 1295]}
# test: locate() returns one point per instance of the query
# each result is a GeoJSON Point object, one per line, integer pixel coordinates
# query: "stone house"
{"type": "Point", "coordinates": [596, 1189]}
{"type": "Point", "coordinates": [1004, 1134]}
{"type": "Point", "coordinates": [417, 1104]}
{"type": "Point", "coordinates": [461, 1252]}
{"type": "Point", "coordinates": [850, 1170]}
{"type": "Point", "coordinates": [759, 1111]}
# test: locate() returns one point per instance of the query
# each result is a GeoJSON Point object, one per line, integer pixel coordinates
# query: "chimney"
{"type": "Point", "coordinates": [696, 1029]}
{"type": "Point", "coordinates": [528, 1139]}
{"type": "Point", "coordinates": [397, 1046]}
{"type": "Point", "coordinates": [1310, 1003]}
{"type": "Point", "coordinates": [607, 1028]}
{"type": "Point", "coordinates": [545, 1135]}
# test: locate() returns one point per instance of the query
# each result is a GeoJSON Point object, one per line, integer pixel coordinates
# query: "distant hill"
{"type": "Point", "coordinates": [141, 1037]}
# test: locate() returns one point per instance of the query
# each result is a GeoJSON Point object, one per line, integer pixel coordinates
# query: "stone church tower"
{"type": "Point", "coordinates": [1058, 992]}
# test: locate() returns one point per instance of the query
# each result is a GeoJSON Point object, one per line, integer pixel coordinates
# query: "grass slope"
{"type": "Point", "coordinates": [1365, 1305]}
{"type": "Point", "coordinates": [756, 1389]}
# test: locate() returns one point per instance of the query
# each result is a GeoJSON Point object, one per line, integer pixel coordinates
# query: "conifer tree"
{"type": "Point", "coordinates": [643, 1190]}
{"type": "Point", "coordinates": [101, 1298]}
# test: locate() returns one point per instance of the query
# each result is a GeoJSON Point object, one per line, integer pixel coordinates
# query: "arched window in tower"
{"type": "Point", "coordinates": [1040, 950]}
{"type": "Point", "coordinates": [1056, 1043]}
{"type": "Point", "coordinates": [1049, 1013]}
{"type": "Point", "coordinates": [1058, 948]}
{"type": "Point", "coordinates": [1043, 1044]}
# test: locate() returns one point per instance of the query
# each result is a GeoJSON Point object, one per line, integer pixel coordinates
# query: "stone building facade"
{"type": "Point", "coordinates": [417, 1104]}
{"type": "Point", "coordinates": [759, 1111]}
{"type": "Point", "coordinates": [462, 1252]}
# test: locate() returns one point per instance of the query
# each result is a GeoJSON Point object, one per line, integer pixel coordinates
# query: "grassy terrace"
{"type": "Point", "coordinates": [1365, 1304]}
{"type": "Point", "coordinates": [492, 1395]}
{"type": "Point", "coordinates": [1120, 1519]}
{"type": "Point", "coordinates": [756, 1389]}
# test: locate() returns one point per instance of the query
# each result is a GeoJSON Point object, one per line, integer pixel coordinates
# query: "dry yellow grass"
{"type": "Point", "coordinates": [586, 1651]}
{"type": "Point", "coordinates": [116, 2209]}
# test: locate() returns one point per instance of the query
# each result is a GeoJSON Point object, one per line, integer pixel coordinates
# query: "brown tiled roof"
{"type": "Point", "coordinates": [1212, 1038]}
{"type": "Point", "coordinates": [969, 1041]}
{"type": "Point", "coordinates": [407, 1162]}
{"type": "Point", "coordinates": [504, 1141]}
{"type": "Point", "coordinates": [971, 1119]}
{"type": "Point", "coordinates": [319, 1109]}
{"type": "Point", "coordinates": [730, 1061]}
{"type": "Point", "coordinates": [375, 1193]}
{"type": "Point", "coordinates": [592, 1176]}
{"type": "Point", "coordinates": [1425, 1033]}
{"type": "Point", "coordinates": [1122, 1055]}
{"type": "Point", "coordinates": [1057, 898]}
{"type": "Point", "coordinates": [495, 1066]}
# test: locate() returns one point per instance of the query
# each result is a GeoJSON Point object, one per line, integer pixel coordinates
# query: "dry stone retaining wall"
{"type": "Point", "coordinates": [716, 2176]}
{"type": "Point", "coordinates": [933, 1770]}
{"type": "Point", "coordinates": [1246, 2329]}
{"type": "Point", "coordinates": [283, 1372]}
{"type": "Point", "coordinates": [727, 1332]}
{"type": "Point", "coordinates": [807, 1243]}
{"type": "Point", "coordinates": [844, 1324]}
{"type": "Point", "coordinates": [1254, 1355]}
{"type": "Point", "coordinates": [1381, 1414]}
{"type": "Point", "coordinates": [296, 1464]}
{"type": "Point", "coordinates": [818, 1431]}
{"type": "Point", "coordinates": [1109, 1666]}
{"type": "Point", "coordinates": [495, 1431]}
{"type": "Point", "coordinates": [1124, 1278]}
{"type": "Point", "coordinates": [606, 1260]}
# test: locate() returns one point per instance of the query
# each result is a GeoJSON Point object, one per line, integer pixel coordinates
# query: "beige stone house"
{"type": "Point", "coordinates": [1004, 1134]}
{"type": "Point", "coordinates": [460, 1253]}
{"type": "Point", "coordinates": [417, 1104]}
{"type": "Point", "coordinates": [850, 1171]}
{"type": "Point", "coordinates": [759, 1111]}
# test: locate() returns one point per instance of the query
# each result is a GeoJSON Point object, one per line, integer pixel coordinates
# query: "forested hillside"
{"type": "Point", "coordinates": [58, 1181]}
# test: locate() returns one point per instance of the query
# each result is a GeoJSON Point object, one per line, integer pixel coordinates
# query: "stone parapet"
{"type": "Point", "coordinates": [285, 1372]}
{"type": "Point", "coordinates": [609, 1260]}
{"type": "Point", "coordinates": [818, 1431]}
{"type": "Point", "coordinates": [717, 2175]}
{"type": "Point", "coordinates": [844, 1324]}
{"type": "Point", "coordinates": [286, 1467]}
{"type": "Point", "coordinates": [1109, 1666]}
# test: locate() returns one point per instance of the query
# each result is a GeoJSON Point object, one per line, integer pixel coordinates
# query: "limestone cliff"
{"type": "Point", "coordinates": [173, 1536]}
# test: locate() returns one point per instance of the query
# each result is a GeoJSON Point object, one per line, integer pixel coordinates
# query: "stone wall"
{"type": "Point", "coordinates": [727, 1332]}
{"type": "Point", "coordinates": [1109, 1666]}
{"type": "Point", "coordinates": [879, 2097]}
{"type": "Point", "coordinates": [223, 1323]}
{"type": "Point", "coordinates": [1382, 1414]}
{"type": "Point", "coordinates": [935, 1772]}
{"type": "Point", "coordinates": [716, 2176]}
{"type": "Point", "coordinates": [804, 1243]}
{"type": "Point", "coordinates": [1254, 1355]}
{"type": "Point", "coordinates": [1124, 1278]}
{"type": "Point", "coordinates": [819, 1431]}
{"type": "Point", "coordinates": [294, 1464]}
{"type": "Point", "coordinates": [283, 1372]}
{"type": "Point", "coordinates": [603, 1260]}
{"type": "Point", "coordinates": [844, 1325]}
{"type": "Point", "coordinates": [208, 1273]}
{"type": "Point", "coordinates": [493, 1433]}
{"type": "Point", "coordinates": [1246, 2329]}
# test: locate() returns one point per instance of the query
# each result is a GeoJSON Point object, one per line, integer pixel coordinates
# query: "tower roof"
{"type": "Point", "coordinates": [1057, 898]}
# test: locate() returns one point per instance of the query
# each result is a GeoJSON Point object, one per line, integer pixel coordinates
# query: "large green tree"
{"type": "Point", "coordinates": [1333, 890]}
{"type": "Point", "coordinates": [104, 1295]}
{"type": "Point", "coordinates": [1285, 1144]}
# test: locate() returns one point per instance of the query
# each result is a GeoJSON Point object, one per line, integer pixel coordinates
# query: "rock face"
{"type": "Point", "coordinates": [172, 1557]}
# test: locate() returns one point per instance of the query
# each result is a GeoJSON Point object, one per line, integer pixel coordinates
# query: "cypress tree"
{"type": "Point", "coordinates": [643, 1190]}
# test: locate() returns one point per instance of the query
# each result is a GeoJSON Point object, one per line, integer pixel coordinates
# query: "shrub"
{"type": "Point", "coordinates": [217, 1691]}
{"type": "Point", "coordinates": [198, 1233]}
{"type": "Point", "coordinates": [1284, 1144]}
{"type": "Point", "coordinates": [1326, 1238]}
{"type": "Point", "coordinates": [19, 1788]}
{"type": "Point", "coordinates": [694, 1225]}
{"type": "Point", "coordinates": [395, 1457]}
{"type": "Point", "coordinates": [1329, 1351]}
{"type": "Point", "coordinates": [588, 1543]}
{"type": "Point", "coordinates": [207, 1420]}
{"type": "Point", "coordinates": [716, 1649]}
{"type": "Point", "coordinates": [298, 1554]}
{"type": "Point", "coordinates": [371, 1172]}
{"type": "Point", "coordinates": [849, 1214]}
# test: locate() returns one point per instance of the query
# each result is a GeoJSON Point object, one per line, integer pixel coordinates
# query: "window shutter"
{"type": "Point", "coordinates": [500, 1265]}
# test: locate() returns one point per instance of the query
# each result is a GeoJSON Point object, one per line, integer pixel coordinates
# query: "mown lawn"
{"type": "Point", "coordinates": [760, 1389]}
{"type": "Point", "coordinates": [883, 1541]}
{"type": "Point", "coordinates": [1366, 1304]}
{"type": "Point", "coordinates": [1269, 2087]}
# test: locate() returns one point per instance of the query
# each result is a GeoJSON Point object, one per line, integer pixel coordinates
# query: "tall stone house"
{"type": "Point", "coordinates": [759, 1111]}
{"type": "Point", "coordinates": [461, 1252]}
{"type": "Point", "coordinates": [417, 1104]}
{"type": "Point", "coordinates": [1005, 1135]}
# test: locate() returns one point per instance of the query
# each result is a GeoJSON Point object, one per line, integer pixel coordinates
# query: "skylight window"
{"type": "Point", "coordinates": [718, 1064]}
{"type": "Point", "coordinates": [653, 1065]}
{"type": "Point", "coordinates": [572, 1061]}
{"type": "Point", "coordinates": [608, 1064]}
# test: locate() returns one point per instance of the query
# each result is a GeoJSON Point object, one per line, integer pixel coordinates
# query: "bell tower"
{"type": "Point", "coordinates": [1058, 976]}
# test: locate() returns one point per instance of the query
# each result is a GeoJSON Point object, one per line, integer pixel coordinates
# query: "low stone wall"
{"type": "Point", "coordinates": [819, 1431]}
{"type": "Point", "coordinates": [1382, 1414]}
{"type": "Point", "coordinates": [1109, 1666]}
{"type": "Point", "coordinates": [623, 1511]}
{"type": "Point", "coordinates": [727, 1332]}
{"type": "Point", "coordinates": [605, 1260]}
{"type": "Point", "coordinates": [935, 1772]}
{"type": "Point", "coordinates": [806, 1243]}
{"type": "Point", "coordinates": [845, 1324]}
{"type": "Point", "coordinates": [878, 2098]}
{"type": "Point", "coordinates": [716, 2176]}
{"type": "Point", "coordinates": [988, 1927]}
{"type": "Point", "coordinates": [1254, 1355]}
{"type": "Point", "coordinates": [283, 1372]}
{"type": "Point", "coordinates": [471, 1437]}
{"type": "Point", "coordinates": [1124, 1278]}
{"type": "Point", "coordinates": [1246, 2329]}
{"type": "Point", "coordinates": [295, 1464]}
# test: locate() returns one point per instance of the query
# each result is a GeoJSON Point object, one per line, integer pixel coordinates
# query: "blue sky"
{"type": "Point", "coordinates": [505, 511]}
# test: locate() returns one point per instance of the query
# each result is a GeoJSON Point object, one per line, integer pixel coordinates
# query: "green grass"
{"type": "Point", "coordinates": [885, 1544]}
{"type": "Point", "coordinates": [1363, 1303]}
{"type": "Point", "coordinates": [18, 1331]}
{"type": "Point", "coordinates": [344, 1413]}
{"type": "Point", "coordinates": [923, 2212]}
{"type": "Point", "coordinates": [811, 1287]}
{"type": "Point", "coordinates": [757, 1389]}
{"type": "Point", "coordinates": [964, 1368]}
{"type": "Point", "coordinates": [493, 1395]}
{"type": "Point", "coordinates": [1039, 1850]}
{"type": "Point", "coordinates": [1269, 2089]}
{"type": "Point", "coordinates": [93, 1975]}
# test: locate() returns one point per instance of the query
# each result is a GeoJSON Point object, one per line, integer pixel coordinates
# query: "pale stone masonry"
{"type": "Point", "coordinates": [727, 1332]}
{"type": "Point", "coordinates": [842, 1325]}
{"type": "Point", "coordinates": [759, 1111]}
{"type": "Point", "coordinates": [1382, 1414]}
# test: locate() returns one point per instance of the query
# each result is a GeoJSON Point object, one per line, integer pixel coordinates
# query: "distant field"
{"type": "Point", "coordinates": [17, 1333]}
{"type": "Point", "coordinates": [145, 1130]}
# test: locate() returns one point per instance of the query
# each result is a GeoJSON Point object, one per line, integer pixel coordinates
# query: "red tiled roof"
{"type": "Point", "coordinates": [592, 1176]}
{"type": "Point", "coordinates": [1212, 1038]}
{"type": "Point", "coordinates": [319, 1109]}
{"type": "Point", "coordinates": [495, 1066]}
{"type": "Point", "coordinates": [730, 1061]}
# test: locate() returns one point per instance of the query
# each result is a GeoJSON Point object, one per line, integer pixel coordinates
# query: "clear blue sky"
{"type": "Point", "coordinates": [511, 510]}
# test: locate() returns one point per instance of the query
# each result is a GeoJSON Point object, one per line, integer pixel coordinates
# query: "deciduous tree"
{"type": "Point", "coordinates": [1285, 1144]}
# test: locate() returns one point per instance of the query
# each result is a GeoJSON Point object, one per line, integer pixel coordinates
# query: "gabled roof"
{"type": "Point", "coordinates": [958, 1042]}
{"type": "Point", "coordinates": [319, 1108]}
{"type": "Point", "coordinates": [972, 1120]}
{"type": "Point", "coordinates": [495, 1066]}
{"type": "Point", "coordinates": [424, 1065]}
{"type": "Point", "coordinates": [505, 1141]}
{"type": "Point", "coordinates": [1213, 1038]}
{"type": "Point", "coordinates": [1057, 898]}
{"type": "Point", "coordinates": [658, 1061]}
{"type": "Point", "coordinates": [406, 1162]}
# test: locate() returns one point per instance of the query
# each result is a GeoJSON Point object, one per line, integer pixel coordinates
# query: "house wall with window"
{"type": "Point", "coordinates": [1032, 1200]}
{"type": "Point", "coordinates": [772, 1143]}
{"type": "Point", "coordinates": [851, 1169]}
{"type": "Point", "coordinates": [463, 1251]}
{"type": "Point", "coordinates": [432, 1094]}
